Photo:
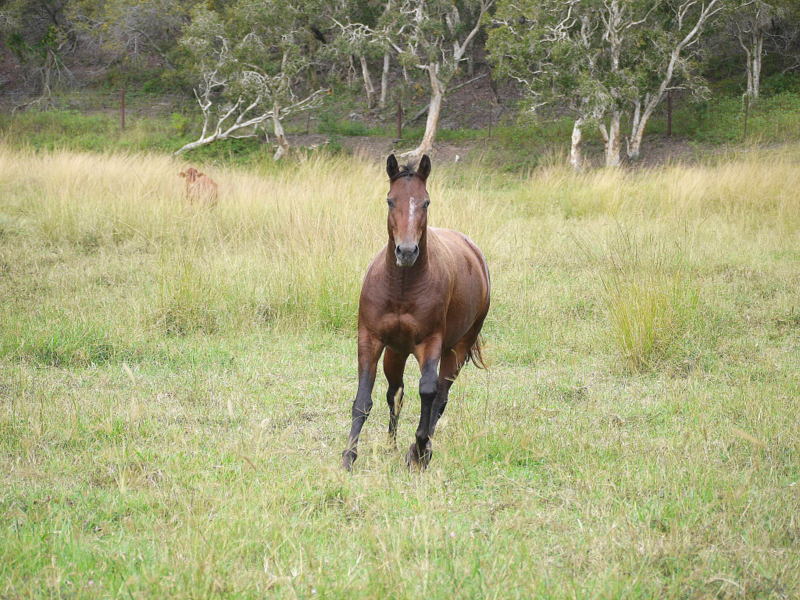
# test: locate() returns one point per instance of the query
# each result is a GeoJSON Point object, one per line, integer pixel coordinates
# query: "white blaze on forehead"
{"type": "Point", "coordinates": [411, 208]}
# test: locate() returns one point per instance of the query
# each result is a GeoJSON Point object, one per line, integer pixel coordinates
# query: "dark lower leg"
{"type": "Point", "coordinates": [440, 403]}
{"type": "Point", "coordinates": [368, 353]}
{"type": "Point", "coordinates": [451, 365]}
{"type": "Point", "coordinates": [420, 451]}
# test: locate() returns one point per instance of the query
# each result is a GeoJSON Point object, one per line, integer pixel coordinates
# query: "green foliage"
{"type": "Point", "coordinates": [331, 125]}
{"type": "Point", "coordinates": [179, 123]}
{"type": "Point", "coordinates": [721, 120]}
{"type": "Point", "coordinates": [781, 83]}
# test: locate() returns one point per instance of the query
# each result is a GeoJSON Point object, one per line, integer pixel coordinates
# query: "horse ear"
{"type": "Point", "coordinates": [424, 168]}
{"type": "Point", "coordinates": [392, 168]}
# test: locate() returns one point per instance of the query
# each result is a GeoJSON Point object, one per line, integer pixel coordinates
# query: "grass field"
{"type": "Point", "coordinates": [175, 386]}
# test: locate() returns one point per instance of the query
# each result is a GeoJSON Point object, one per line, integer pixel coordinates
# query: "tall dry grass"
{"type": "Point", "coordinates": [291, 245]}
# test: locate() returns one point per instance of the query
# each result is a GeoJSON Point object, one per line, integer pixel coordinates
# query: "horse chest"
{"type": "Point", "coordinates": [402, 331]}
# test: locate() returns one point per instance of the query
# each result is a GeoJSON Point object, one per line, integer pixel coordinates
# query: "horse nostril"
{"type": "Point", "coordinates": [415, 249]}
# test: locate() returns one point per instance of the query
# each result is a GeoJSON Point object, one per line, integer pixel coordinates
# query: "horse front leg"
{"type": "Point", "coordinates": [428, 355]}
{"type": "Point", "coordinates": [369, 351]}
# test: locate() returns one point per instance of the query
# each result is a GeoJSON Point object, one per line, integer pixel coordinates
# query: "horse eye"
{"type": "Point", "coordinates": [426, 204]}
{"type": "Point", "coordinates": [390, 202]}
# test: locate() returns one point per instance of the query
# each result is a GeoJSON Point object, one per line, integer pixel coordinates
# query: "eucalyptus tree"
{"type": "Point", "coordinates": [602, 58]}
{"type": "Point", "coordinates": [428, 36]}
{"type": "Point", "coordinates": [757, 25]}
{"type": "Point", "coordinates": [663, 56]}
{"type": "Point", "coordinates": [551, 50]}
{"type": "Point", "coordinates": [132, 32]}
{"type": "Point", "coordinates": [356, 23]}
{"type": "Point", "coordinates": [250, 69]}
{"type": "Point", "coordinates": [433, 36]}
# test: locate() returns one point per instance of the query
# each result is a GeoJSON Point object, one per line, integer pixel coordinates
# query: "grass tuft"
{"type": "Point", "coordinates": [650, 301]}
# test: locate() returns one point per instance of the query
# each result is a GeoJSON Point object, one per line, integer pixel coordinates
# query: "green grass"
{"type": "Point", "coordinates": [175, 386]}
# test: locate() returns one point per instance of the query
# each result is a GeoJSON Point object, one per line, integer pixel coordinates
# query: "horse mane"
{"type": "Point", "coordinates": [406, 170]}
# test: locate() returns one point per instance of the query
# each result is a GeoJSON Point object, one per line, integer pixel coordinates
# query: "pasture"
{"type": "Point", "coordinates": [176, 382]}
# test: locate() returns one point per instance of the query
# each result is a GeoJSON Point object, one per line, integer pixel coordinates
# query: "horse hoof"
{"type": "Point", "coordinates": [415, 461]}
{"type": "Point", "coordinates": [348, 458]}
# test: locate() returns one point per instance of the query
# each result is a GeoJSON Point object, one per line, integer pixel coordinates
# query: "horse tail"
{"type": "Point", "coordinates": [475, 354]}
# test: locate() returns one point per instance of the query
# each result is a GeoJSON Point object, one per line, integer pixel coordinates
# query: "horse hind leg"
{"type": "Point", "coordinates": [451, 364]}
{"type": "Point", "coordinates": [394, 365]}
{"type": "Point", "coordinates": [452, 361]}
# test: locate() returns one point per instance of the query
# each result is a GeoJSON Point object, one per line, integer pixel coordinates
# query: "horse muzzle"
{"type": "Point", "coordinates": [406, 254]}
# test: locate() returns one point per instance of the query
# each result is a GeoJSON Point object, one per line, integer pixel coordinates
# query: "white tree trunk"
{"type": "Point", "coordinates": [638, 125]}
{"type": "Point", "coordinates": [368, 86]}
{"type": "Point", "coordinates": [384, 81]}
{"type": "Point", "coordinates": [635, 141]}
{"type": "Point", "coordinates": [754, 66]}
{"type": "Point", "coordinates": [434, 110]}
{"type": "Point", "coordinates": [280, 136]}
{"type": "Point", "coordinates": [575, 158]}
{"type": "Point", "coordinates": [611, 137]}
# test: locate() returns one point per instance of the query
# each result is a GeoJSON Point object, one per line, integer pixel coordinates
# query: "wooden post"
{"type": "Point", "coordinates": [669, 113]}
{"type": "Point", "coordinates": [399, 119]}
{"type": "Point", "coordinates": [122, 108]}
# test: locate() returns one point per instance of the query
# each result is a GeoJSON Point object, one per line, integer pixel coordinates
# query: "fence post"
{"type": "Point", "coordinates": [399, 119]}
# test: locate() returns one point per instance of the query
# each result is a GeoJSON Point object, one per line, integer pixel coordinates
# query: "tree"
{"type": "Point", "coordinates": [602, 58]}
{"type": "Point", "coordinates": [248, 71]}
{"type": "Point", "coordinates": [552, 53]}
{"type": "Point", "coordinates": [39, 34]}
{"type": "Point", "coordinates": [667, 35]}
{"type": "Point", "coordinates": [133, 32]}
{"type": "Point", "coordinates": [754, 22]}
{"type": "Point", "coordinates": [357, 22]}
{"type": "Point", "coordinates": [431, 36]}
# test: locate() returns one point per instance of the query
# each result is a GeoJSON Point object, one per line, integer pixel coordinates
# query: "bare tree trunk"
{"type": "Point", "coordinates": [280, 136]}
{"type": "Point", "coordinates": [384, 81]}
{"type": "Point", "coordinates": [754, 72]}
{"type": "Point", "coordinates": [434, 110]}
{"type": "Point", "coordinates": [611, 138]}
{"type": "Point", "coordinates": [370, 89]}
{"type": "Point", "coordinates": [638, 125]}
{"type": "Point", "coordinates": [575, 158]}
{"type": "Point", "coordinates": [637, 134]}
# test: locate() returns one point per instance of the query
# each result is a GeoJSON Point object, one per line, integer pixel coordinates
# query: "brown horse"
{"type": "Point", "coordinates": [427, 294]}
